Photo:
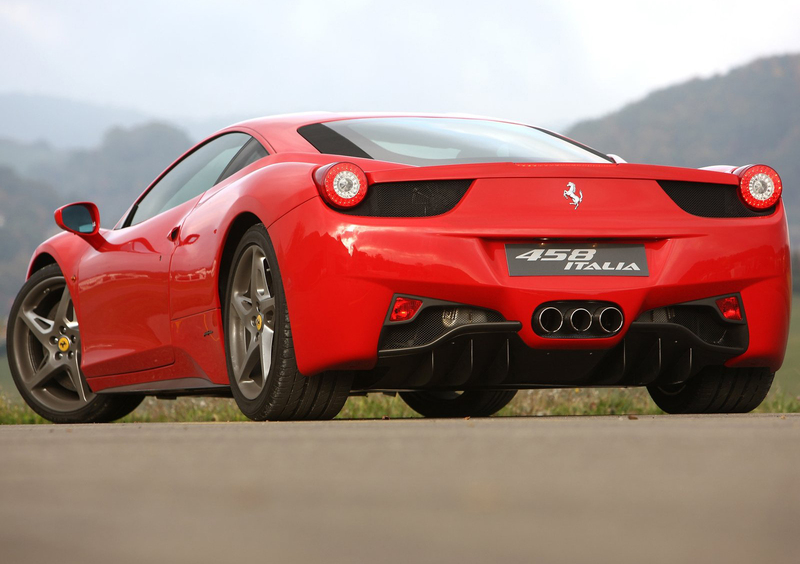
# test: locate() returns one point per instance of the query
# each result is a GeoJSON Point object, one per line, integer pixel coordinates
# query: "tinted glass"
{"type": "Point", "coordinates": [439, 141]}
{"type": "Point", "coordinates": [195, 174]}
{"type": "Point", "coordinates": [249, 154]}
{"type": "Point", "coordinates": [78, 218]}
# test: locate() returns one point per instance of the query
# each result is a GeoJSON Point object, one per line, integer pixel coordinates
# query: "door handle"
{"type": "Point", "coordinates": [174, 233]}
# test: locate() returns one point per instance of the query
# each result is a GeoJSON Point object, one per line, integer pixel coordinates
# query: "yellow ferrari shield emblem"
{"type": "Point", "coordinates": [259, 322]}
{"type": "Point", "coordinates": [63, 344]}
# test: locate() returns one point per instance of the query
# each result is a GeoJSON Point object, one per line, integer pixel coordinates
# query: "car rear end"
{"type": "Point", "coordinates": [503, 275]}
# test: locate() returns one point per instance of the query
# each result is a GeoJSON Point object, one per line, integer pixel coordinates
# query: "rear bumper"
{"type": "Point", "coordinates": [452, 347]}
{"type": "Point", "coordinates": [341, 272]}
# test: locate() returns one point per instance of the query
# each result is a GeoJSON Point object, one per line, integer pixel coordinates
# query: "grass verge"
{"type": "Point", "coordinates": [570, 401]}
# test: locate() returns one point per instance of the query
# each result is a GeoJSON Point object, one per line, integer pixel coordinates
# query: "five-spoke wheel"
{"type": "Point", "coordinates": [251, 322]}
{"type": "Point", "coordinates": [44, 350]}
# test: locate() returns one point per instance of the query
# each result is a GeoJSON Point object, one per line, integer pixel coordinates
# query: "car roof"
{"type": "Point", "coordinates": [280, 131]}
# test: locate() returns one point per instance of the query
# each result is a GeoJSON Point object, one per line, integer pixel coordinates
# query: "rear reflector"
{"type": "Point", "coordinates": [730, 309]}
{"type": "Point", "coordinates": [404, 309]}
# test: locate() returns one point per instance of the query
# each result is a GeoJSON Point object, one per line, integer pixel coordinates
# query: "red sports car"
{"type": "Point", "coordinates": [296, 260]}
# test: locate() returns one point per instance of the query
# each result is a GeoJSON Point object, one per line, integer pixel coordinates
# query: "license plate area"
{"type": "Point", "coordinates": [576, 259]}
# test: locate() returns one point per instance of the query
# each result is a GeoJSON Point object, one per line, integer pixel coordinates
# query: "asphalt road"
{"type": "Point", "coordinates": [578, 489]}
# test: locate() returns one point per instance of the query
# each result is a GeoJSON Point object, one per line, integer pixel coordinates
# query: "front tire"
{"type": "Point", "coordinates": [458, 404]}
{"type": "Point", "coordinates": [262, 369]}
{"type": "Point", "coordinates": [716, 389]}
{"type": "Point", "coordinates": [44, 352]}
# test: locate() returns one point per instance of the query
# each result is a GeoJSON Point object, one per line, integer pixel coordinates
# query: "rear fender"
{"type": "Point", "coordinates": [267, 193]}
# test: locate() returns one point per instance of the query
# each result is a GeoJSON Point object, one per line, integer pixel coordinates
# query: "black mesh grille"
{"type": "Point", "coordinates": [660, 315]}
{"type": "Point", "coordinates": [411, 199]}
{"type": "Point", "coordinates": [431, 324]}
{"type": "Point", "coordinates": [709, 200]}
{"type": "Point", "coordinates": [703, 322]}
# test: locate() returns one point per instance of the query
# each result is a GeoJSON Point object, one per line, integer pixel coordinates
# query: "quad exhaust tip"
{"type": "Point", "coordinates": [588, 319]}
{"type": "Point", "coordinates": [580, 319]}
{"type": "Point", "coordinates": [550, 319]}
{"type": "Point", "coordinates": [609, 319]}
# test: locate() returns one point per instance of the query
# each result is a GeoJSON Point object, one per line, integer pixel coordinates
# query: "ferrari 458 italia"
{"type": "Point", "coordinates": [293, 261]}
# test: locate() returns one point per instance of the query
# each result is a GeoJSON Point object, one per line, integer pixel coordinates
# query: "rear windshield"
{"type": "Point", "coordinates": [441, 141]}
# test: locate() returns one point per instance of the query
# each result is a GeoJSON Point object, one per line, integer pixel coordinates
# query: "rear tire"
{"type": "Point", "coordinates": [716, 389]}
{"type": "Point", "coordinates": [453, 404]}
{"type": "Point", "coordinates": [262, 369]}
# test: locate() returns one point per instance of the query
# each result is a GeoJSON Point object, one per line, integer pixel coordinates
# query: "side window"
{"type": "Point", "coordinates": [195, 174]}
{"type": "Point", "coordinates": [249, 154]}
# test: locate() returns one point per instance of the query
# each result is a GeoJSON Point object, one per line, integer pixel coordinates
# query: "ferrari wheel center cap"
{"type": "Point", "coordinates": [259, 322]}
{"type": "Point", "coordinates": [63, 344]}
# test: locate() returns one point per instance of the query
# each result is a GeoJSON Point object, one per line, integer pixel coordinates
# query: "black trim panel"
{"type": "Point", "coordinates": [710, 200]}
{"type": "Point", "coordinates": [178, 385]}
{"type": "Point", "coordinates": [327, 141]}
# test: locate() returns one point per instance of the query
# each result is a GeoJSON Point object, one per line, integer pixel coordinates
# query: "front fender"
{"type": "Point", "coordinates": [65, 250]}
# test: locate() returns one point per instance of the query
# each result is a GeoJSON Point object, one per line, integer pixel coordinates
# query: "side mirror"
{"type": "Point", "coordinates": [82, 218]}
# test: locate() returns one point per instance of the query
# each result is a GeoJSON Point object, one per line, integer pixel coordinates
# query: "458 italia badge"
{"type": "Point", "coordinates": [584, 259]}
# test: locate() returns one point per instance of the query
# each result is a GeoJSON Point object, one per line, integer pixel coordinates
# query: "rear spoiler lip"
{"type": "Point", "coordinates": [567, 171]}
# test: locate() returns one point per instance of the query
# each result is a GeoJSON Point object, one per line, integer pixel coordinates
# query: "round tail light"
{"type": "Point", "coordinates": [342, 185]}
{"type": "Point", "coordinates": [760, 186]}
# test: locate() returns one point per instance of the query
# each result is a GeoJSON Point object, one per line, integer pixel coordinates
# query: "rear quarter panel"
{"type": "Point", "coordinates": [268, 193]}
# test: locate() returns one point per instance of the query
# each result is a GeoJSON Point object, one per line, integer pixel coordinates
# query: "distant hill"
{"type": "Point", "coordinates": [24, 156]}
{"type": "Point", "coordinates": [111, 175]}
{"type": "Point", "coordinates": [749, 115]}
{"type": "Point", "coordinates": [115, 172]}
{"type": "Point", "coordinates": [61, 122]}
{"type": "Point", "coordinates": [26, 218]}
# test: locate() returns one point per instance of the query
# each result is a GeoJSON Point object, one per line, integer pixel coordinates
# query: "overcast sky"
{"type": "Point", "coordinates": [545, 62]}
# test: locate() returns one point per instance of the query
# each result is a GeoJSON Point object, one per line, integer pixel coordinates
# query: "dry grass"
{"type": "Point", "coordinates": [571, 401]}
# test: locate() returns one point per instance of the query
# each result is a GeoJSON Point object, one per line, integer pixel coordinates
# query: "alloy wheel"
{"type": "Point", "coordinates": [48, 344]}
{"type": "Point", "coordinates": [251, 322]}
